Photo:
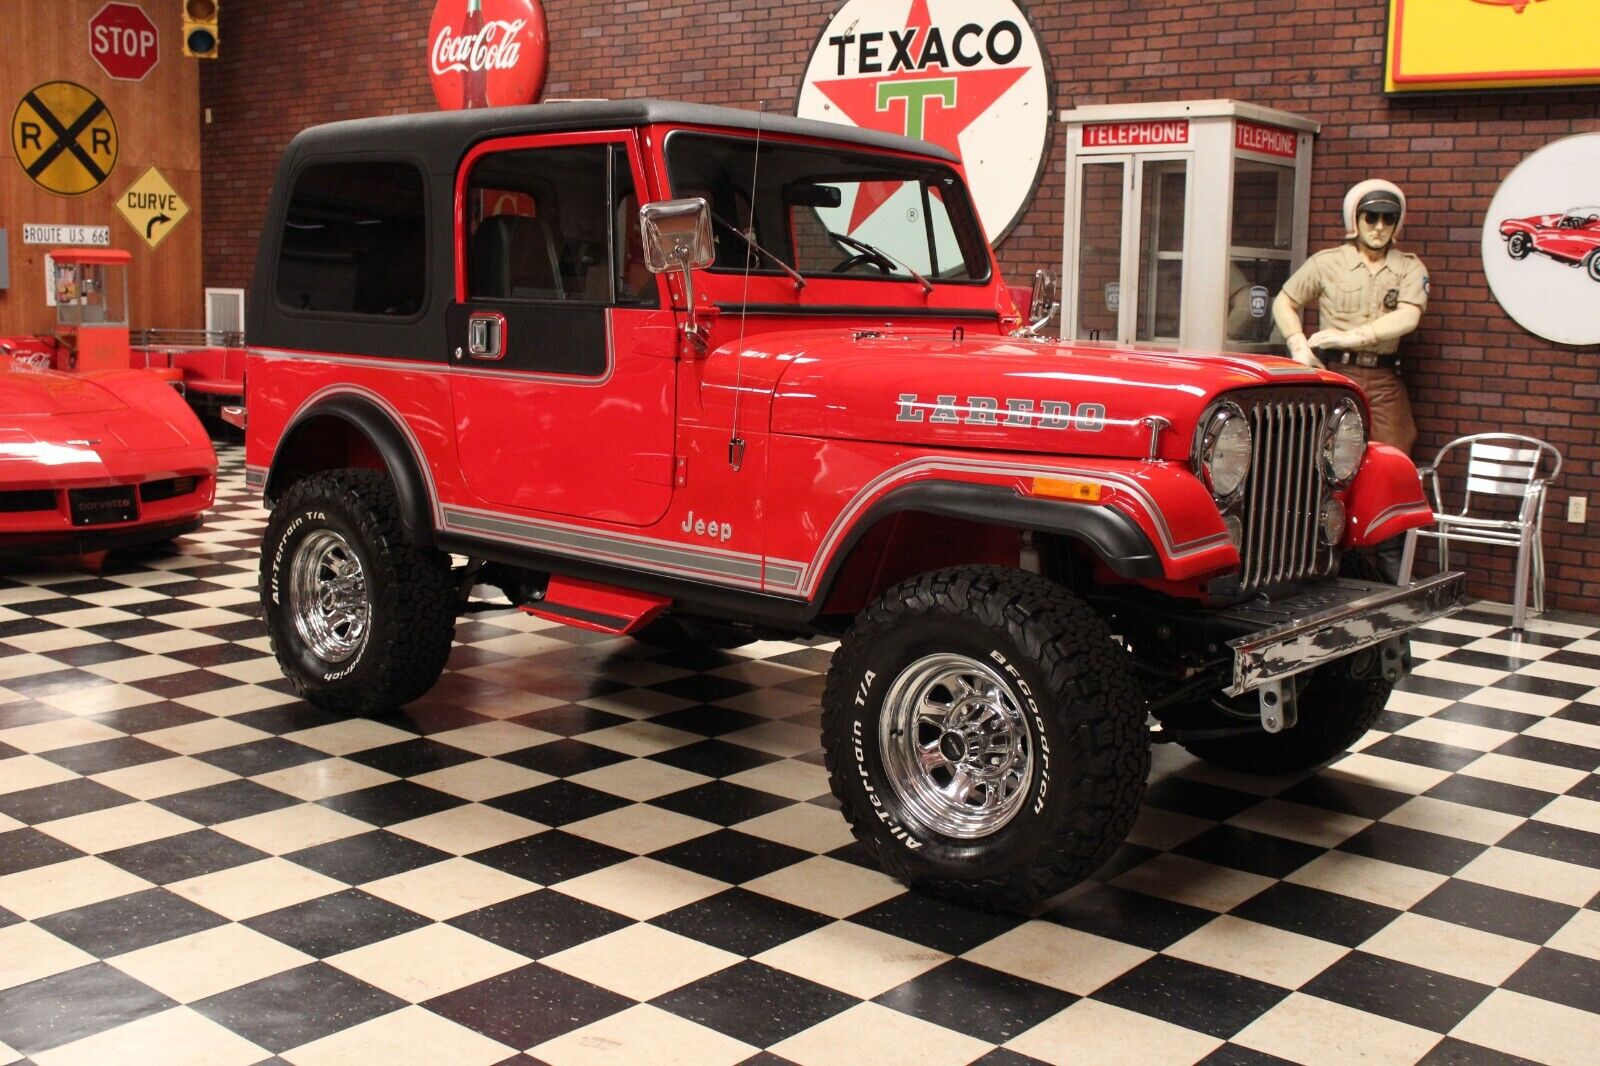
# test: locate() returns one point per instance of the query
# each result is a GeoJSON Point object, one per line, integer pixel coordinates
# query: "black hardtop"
{"type": "Point", "coordinates": [442, 137]}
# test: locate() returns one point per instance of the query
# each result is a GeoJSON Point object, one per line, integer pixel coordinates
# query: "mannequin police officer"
{"type": "Point", "coordinates": [1369, 294]}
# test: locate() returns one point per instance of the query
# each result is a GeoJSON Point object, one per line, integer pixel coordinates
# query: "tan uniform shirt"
{"type": "Point", "coordinates": [1348, 295]}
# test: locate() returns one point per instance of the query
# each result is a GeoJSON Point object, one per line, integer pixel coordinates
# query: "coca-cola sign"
{"type": "Point", "coordinates": [487, 53]}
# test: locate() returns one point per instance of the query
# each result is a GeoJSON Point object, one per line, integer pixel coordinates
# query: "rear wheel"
{"type": "Point", "coordinates": [984, 736]}
{"type": "Point", "coordinates": [1518, 245]}
{"type": "Point", "coordinates": [1591, 266]}
{"type": "Point", "coordinates": [360, 619]}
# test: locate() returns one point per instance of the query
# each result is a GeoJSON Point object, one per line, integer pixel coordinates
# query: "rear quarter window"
{"type": "Point", "coordinates": [354, 240]}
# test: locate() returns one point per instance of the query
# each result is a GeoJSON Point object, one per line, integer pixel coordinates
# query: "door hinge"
{"type": "Point", "coordinates": [681, 475]}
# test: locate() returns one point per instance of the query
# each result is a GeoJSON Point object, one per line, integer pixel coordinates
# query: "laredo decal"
{"type": "Point", "coordinates": [988, 411]}
{"type": "Point", "coordinates": [967, 75]}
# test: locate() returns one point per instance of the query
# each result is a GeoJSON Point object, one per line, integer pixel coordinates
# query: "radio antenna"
{"type": "Point", "coordinates": [736, 442]}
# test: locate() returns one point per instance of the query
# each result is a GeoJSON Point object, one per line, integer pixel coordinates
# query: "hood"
{"type": "Point", "coordinates": [25, 391]}
{"type": "Point", "coordinates": [1006, 394]}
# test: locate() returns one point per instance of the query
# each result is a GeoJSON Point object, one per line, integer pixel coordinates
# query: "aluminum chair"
{"type": "Point", "coordinates": [1504, 465]}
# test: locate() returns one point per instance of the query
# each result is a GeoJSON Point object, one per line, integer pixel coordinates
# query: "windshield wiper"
{"type": "Point", "coordinates": [799, 282]}
{"type": "Point", "coordinates": [873, 250]}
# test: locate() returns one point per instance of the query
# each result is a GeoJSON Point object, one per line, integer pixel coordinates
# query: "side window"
{"type": "Point", "coordinates": [354, 240]}
{"type": "Point", "coordinates": [555, 224]}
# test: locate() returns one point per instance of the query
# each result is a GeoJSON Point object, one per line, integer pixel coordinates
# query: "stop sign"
{"type": "Point", "coordinates": [123, 40]}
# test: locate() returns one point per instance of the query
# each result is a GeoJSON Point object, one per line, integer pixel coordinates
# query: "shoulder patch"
{"type": "Point", "coordinates": [1425, 287]}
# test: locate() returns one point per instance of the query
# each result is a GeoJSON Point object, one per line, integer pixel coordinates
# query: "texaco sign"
{"type": "Point", "coordinates": [967, 75]}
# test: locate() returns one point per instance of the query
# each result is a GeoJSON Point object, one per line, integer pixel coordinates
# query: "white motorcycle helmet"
{"type": "Point", "coordinates": [1374, 194]}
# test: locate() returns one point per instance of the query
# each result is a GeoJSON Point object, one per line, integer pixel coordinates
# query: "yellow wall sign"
{"type": "Point", "coordinates": [1440, 45]}
{"type": "Point", "coordinates": [64, 138]}
{"type": "Point", "coordinates": [152, 207]}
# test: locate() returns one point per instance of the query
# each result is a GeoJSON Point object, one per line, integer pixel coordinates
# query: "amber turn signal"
{"type": "Point", "coordinates": [1062, 489]}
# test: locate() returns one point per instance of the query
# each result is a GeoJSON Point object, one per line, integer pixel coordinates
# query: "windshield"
{"type": "Point", "coordinates": [1579, 217]}
{"type": "Point", "coordinates": [816, 209]}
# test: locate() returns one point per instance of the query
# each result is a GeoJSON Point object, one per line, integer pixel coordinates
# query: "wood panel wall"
{"type": "Point", "coordinates": [158, 122]}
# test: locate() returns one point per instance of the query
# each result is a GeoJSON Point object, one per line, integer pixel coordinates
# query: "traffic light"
{"type": "Point", "coordinates": [200, 28]}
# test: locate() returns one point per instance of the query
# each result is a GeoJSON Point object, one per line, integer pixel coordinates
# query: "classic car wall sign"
{"type": "Point", "coordinates": [1446, 45]}
{"type": "Point", "coordinates": [967, 75]}
{"type": "Point", "coordinates": [1541, 242]}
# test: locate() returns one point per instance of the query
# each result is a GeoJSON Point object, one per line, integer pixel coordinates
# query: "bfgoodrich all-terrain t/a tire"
{"type": "Point", "coordinates": [984, 735]}
{"type": "Point", "coordinates": [360, 618]}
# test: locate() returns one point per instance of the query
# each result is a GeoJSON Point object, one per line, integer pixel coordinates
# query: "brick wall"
{"type": "Point", "coordinates": [1470, 367]}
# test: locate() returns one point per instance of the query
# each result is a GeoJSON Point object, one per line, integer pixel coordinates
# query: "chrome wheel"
{"type": "Point", "coordinates": [328, 596]}
{"type": "Point", "coordinates": [955, 746]}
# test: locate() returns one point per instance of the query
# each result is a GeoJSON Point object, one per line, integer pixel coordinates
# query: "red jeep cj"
{"type": "Point", "coordinates": [701, 375]}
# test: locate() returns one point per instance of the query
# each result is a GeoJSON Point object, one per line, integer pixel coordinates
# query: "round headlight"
{"type": "Point", "coordinates": [1344, 445]}
{"type": "Point", "coordinates": [1223, 458]}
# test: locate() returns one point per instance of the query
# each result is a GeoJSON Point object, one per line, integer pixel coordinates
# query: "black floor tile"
{"type": "Point", "coordinates": [1495, 910]}
{"type": "Point", "coordinates": [755, 1003]}
{"type": "Point", "coordinates": [48, 1013]}
{"type": "Point", "coordinates": [1397, 990]}
{"type": "Point", "coordinates": [708, 720]}
{"type": "Point", "coordinates": [367, 857]}
{"type": "Point", "coordinates": [1453, 1052]}
{"type": "Point", "coordinates": [1243, 849]}
{"type": "Point", "coordinates": [1559, 842]}
{"type": "Point", "coordinates": [46, 803]}
{"type": "Point", "coordinates": [1537, 749]}
{"type": "Point", "coordinates": [977, 1001]}
{"type": "Point", "coordinates": [1413, 847]}
{"type": "Point", "coordinates": [1588, 788]}
{"type": "Point", "coordinates": [93, 654]}
{"type": "Point", "coordinates": [1315, 913]}
{"type": "Point", "coordinates": [1543, 686]}
{"type": "Point", "coordinates": [731, 856]}
{"type": "Point", "coordinates": [262, 756]}
{"type": "Point", "coordinates": [29, 849]}
{"type": "Point", "coordinates": [540, 923]}
{"type": "Point", "coordinates": [1198, 997]}
{"type": "Point", "coordinates": [1488, 717]}
{"type": "Point", "coordinates": [703, 688]}
{"type": "Point", "coordinates": [743, 922]}
{"type": "Point", "coordinates": [528, 1006]}
{"type": "Point", "coordinates": [559, 803]}
{"type": "Point", "coordinates": [564, 758]}
{"type": "Point", "coordinates": [722, 802]}
{"type": "Point", "coordinates": [297, 1006]}
{"type": "Point", "coordinates": [103, 755]}
{"type": "Point", "coordinates": [550, 857]}
{"type": "Point", "coordinates": [215, 804]}
{"type": "Point", "coordinates": [412, 758]}
{"type": "Point", "coordinates": [715, 758]}
{"type": "Point", "coordinates": [940, 925]}
{"type": "Point", "coordinates": [1561, 978]}
{"type": "Point", "coordinates": [342, 921]}
{"type": "Point", "coordinates": [178, 858]}
{"type": "Point", "coordinates": [131, 922]}
{"type": "Point", "coordinates": [150, 717]}
{"type": "Point", "coordinates": [1198, 799]}
{"type": "Point", "coordinates": [570, 719]}
{"type": "Point", "coordinates": [1454, 691]}
{"type": "Point", "coordinates": [1131, 917]}
{"type": "Point", "coordinates": [1490, 795]}
{"type": "Point", "coordinates": [1423, 753]}
{"type": "Point", "coordinates": [286, 717]}
{"type": "Point", "coordinates": [1234, 1055]}
{"type": "Point", "coordinates": [389, 804]}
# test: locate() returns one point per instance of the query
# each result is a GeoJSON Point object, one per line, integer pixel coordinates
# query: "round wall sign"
{"type": "Point", "coordinates": [1541, 242]}
{"type": "Point", "coordinates": [64, 138]}
{"type": "Point", "coordinates": [967, 75]}
{"type": "Point", "coordinates": [487, 53]}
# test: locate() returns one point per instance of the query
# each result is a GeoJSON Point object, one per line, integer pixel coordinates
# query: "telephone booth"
{"type": "Point", "coordinates": [1183, 221]}
{"type": "Point", "coordinates": [90, 286]}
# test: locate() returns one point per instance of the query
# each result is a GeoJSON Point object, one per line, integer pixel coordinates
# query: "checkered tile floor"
{"type": "Point", "coordinates": [586, 850]}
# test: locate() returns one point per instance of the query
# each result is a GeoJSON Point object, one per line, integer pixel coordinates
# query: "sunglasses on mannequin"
{"type": "Point", "coordinates": [1372, 218]}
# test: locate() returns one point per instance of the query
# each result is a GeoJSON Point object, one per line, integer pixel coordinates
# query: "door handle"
{"type": "Point", "coordinates": [486, 335]}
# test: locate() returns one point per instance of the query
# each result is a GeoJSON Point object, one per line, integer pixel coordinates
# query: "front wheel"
{"type": "Point", "coordinates": [360, 619]}
{"type": "Point", "coordinates": [1518, 245]}
{"type": "Point", "coordinates": [984, 736]}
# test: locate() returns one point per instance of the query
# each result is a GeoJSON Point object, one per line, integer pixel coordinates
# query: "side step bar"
{"type": "Point", "coordinates": [593, 606]}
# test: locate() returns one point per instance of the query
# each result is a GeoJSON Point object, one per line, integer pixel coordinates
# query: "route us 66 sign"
{"type": "Point", "coordinates": [967, 75]}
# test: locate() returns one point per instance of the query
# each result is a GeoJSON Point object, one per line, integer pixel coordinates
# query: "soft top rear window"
{"type": "Point", "coordinates": [355, 240]}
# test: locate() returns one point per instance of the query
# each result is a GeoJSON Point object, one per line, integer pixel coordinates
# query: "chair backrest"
{"type": "Point", "coordinates": [1504, 464]}
{"type": "Point", "coordinates": [513, 255]}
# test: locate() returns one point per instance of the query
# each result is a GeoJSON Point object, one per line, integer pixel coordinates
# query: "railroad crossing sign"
{"type": "Point", "coordinates": [152, 207]}
{"type": "Point", "coordinates": [64, 138]}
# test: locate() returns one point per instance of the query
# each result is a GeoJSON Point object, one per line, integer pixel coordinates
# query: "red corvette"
{"type": "Point", "coordinates": [1572, 237]}
{"type": "Point", "coordinates": [90, 462]}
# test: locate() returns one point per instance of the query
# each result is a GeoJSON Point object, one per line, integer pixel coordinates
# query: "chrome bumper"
{"type": "Point", "coordinates": [1332, 621]}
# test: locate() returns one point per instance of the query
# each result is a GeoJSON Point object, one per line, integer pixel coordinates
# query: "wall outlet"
{"type": "Point", "coordinates": [1578, 509]}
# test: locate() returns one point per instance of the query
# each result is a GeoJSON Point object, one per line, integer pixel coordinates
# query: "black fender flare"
{"type": "Point", "coordinates": [378, 426]}
{"type": "Point", "coordinates": [1114, 537]}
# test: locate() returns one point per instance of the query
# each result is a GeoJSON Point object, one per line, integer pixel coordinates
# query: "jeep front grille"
{"type": "Point", "coordinates": [1284, 493]}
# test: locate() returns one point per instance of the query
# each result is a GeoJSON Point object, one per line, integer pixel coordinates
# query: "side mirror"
{"type": "Point", "coordinates": [677, 237]}
{"type": "Point", "coordinates": [1044, 303]}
